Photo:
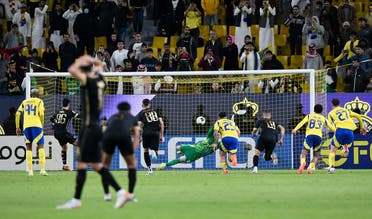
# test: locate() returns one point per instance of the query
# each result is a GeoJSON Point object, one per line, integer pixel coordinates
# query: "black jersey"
{"type": "Point", "coordinates": [92, 100]}
{"type": "Point", "coordinates": [121, 125]}
{"type": "Point", "coordinates": [61, 119]}
{"type": "Point", "coordinates": [150, 120]}
{"type": "Point", "coordinates": [268, 128]}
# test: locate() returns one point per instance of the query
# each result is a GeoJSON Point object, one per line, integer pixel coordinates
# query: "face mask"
{"type": "Point", "coordinates": [86, 10]}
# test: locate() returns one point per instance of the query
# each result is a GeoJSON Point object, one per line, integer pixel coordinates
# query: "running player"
{"type": "Point", "coordinates": [92, 89]}
{"type": "Point", "coordinates": [60, 120]}
{"type": "Point", "coordinates": [33, 122]}
{"type": "Point", "coordinates": [314, 132]}
{"type": "Point", "coordinates": [229, 137]}
{"type": "Point", "coordinates": [193, 152]}
{"type": "Point", "coordinates": [120, 130]}
{"type": "Point", "coordinates": [344, 135]}
{"type": "Point", "coordinates": [267, 140]}
{"type": "Point", "coordinates": [153, 130]}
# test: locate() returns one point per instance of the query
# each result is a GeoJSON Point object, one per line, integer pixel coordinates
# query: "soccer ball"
{"type": "Point", "coordinates": [200, 120]}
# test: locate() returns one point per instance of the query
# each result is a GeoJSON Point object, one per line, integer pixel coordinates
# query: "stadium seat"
{"type": "Point", "coordinates": [280, 39]}
{"type": "Point", "coordinates": [283, 60]}
{"type": "Point", "coordinates": [255, 29]}
{"type": "Point", "coordinates": [220, 30]}
{"type": "Point", "coordinates": [276, 29]}
{"type": "Point", "coordinates": [204, 32]}
{"type": "Point", "coordinates": [158, 42]}
{"type": "Point", "coordinates": [232, 30]}
{"type": "Point", "coordinates": [284, 29]}
{"type": "Point", "coordinates": [330, 58]}
{"type": "Point", "coordinates": [100, 41]}
{"type": "Point", "coordinates": [200, 52]}
{"type": "Point", "coordinates": [283, 50]}
{"type": "Point", "coordinates": [358, 7]}
{"type": "Point", "coordinates": [304, 49]}
{"type": "Point", "coordinates": [173, 41]}
{"type": "Point", "coordinates": [296, 61]}
{"type": "Point", "coordinates": [327, 50]}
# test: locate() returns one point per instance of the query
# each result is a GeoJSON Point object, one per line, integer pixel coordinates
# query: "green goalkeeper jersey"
{"type": "Point", "coordinates": [204, 147]}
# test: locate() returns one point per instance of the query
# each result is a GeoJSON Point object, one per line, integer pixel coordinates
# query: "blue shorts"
{"type": "Point", "coordinates": [342, 137]}
{"type": "Point", "coordinates": [229, 144]}
{"type": "Point", "coordinates": [34, 134]}
{"type": "Point", "coordinates": [312, 141]}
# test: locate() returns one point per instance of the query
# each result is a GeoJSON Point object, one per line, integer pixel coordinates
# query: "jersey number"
{"type": "Point", "coordinates": [342, 115]}
{"type": "Point", "coordinates": [228, 126]}
{"type": "Point", "coordinates": [61, 118]}
{"type": "Point", "coordinates": [151, 117]}
{"type": "Point", "coordinates": [271, 124]}
{"type": "Point", "coordinates": [317, 124]}
{"type": "Point", "coordinates": [30, 108]}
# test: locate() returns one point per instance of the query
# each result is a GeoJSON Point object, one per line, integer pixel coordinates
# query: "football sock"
{"type": "Point", "coordinates": [105, 185]}
{"type": "Point", "coordinates": [147, 159]}
{"type": "Point", "coordinates": [331, 159]}
{"type": "Point", "coordinates": [64, 157]}
{"type": "Point", "coordinates": [109, 178]}
{"type": "Point", "coordinates": [255, 160]}
{"type": "Point", "coordinates": [303, 160]}
{"type": "Point", "coordinates": [42, 158]}
{"type": "Point", "coordinates": [173, 162]}
{"type": "Point", "coordinates": [29, 159]}
{"type": "Point", "coordinates": [80, 180]}
{"type": "Point", "coordinates": [224, 165]}
{"type": "Point", "coordinates": [267, 157]}
{"type": "Point", "coordinates": [132, 177]}
{"type": "Point", "coordinates": [311, 165]}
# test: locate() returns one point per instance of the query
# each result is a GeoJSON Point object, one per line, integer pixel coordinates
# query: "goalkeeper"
{"type": "Point", "coordinates": [193, 152]}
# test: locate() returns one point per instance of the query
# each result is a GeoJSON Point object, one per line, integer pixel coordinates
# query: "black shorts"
{"type": "Point", "coordinates": [89, 143]}
{"type": "Point", "coordinates": [151, 140]}
{"type": "Point", "coordinates": [267, 144]}
{"type": "Point", "coordinates": [64, 138]}
{"type": "Point", "coordinates": [124, 143]}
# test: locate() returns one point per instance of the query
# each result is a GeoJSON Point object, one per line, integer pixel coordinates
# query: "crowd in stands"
{"type": "Point", "coordinates": [192, 35]}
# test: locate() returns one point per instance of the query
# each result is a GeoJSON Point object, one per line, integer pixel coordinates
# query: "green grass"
{"type": "Point", "coordinates": [195, 194]}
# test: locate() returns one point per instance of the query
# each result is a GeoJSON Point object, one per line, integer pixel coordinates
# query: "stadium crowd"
{"type": "Point", "coordinates": [191, 35]}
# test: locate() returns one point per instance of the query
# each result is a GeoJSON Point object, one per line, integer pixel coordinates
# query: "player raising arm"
{"type": "Point", "coordinates": [60, 120]}
{"type": "Point", "coordinates": [229, 140]}
{"type": "Point", "coordinates": [314, 132]}
{"type": "Point", "coordinates": [193, 152]}
{"type": "Point", "coordinates": [267, 140]}
{"type": "Point", "coordinates": [344, 134]}
{"type": "Point", "coordinates": [33, 122]}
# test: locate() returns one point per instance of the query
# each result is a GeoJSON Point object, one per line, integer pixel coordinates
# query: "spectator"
{"type": "Point", "coordinates": [345, 32]}
{"type": "Point", "coordinates": [128, 66]}
{"type": "Point", "coordinates": [312, 59]}
{"type": "Point", "coordinates": [267, 14]}
{"type": "Point", "coordinates": [10, 9]}
{"type": "Point", "coordinates": [230, 52]}
{"type": "Point", "coordinates": [270, 62]}
{"type": "Point", "coordinates": [149, 61]}
{"type": "Point", "coordinates": [331, 78]}
{"type": "Point", "coordinates": [297, 118]}
{"type": "Point", "coordinates": [58, 25]}
{"type": "Point", "coordinates": [328, 18]}
{"type": "Point", "coordinates": [38, 29]}
{"type": "Point", "coordinates": [288, 85]}
{"type": "Point", "coordinates": [250, 58]}
{"type": "Point", "coordinates": [118, 55]}
{"type": "Point", "coordinates": [121, 20]}
{"type": "Point", "coordinates": [346, 12]}
{"type": "Point", "coordinates": [9, 122]}
{"type": "Point", "coordinates": [365, 32]}
{"type": "Point", "coordinates": [14, 88]}
{"type": "Point", "coordinates": [217, 88]}
{"type": "Point", "coordinates": [137, 44]}
{"type": "Point", "coordinates": [112, 44]}
{"type": "Point", "coordinates": [210, 8]}
{"type": "Point", "coordinates": [295, 22]}
{"type": "Point", "coordinates": [35, 58]}
{"type": "Point", "coordinates": [14, 38]}
{"type": "Point", "coordinates": [349, 48]}
{"type": "Point", "coordinates": [215, 44]}
{"type": "Point", "coordinates": [180, 16]}
{"type": "Point", "coordinates": [210, 61]}
{"type": "Point", "coordinates": [247, 39]}
{"type": "Point", "coordinates": [70, 15]}
{"type": "Point", "coordinates": [101, 57]}
{"type": "Point", "coordinates": [13, 73]}
{"type": "Point", "coordinates": [105, 11]}
{"type": "Point", "coordinates": [84, 30]}
{"type": "Point", "coordinates": [188, 42]}
{"type": "Point", "coordinates": [168, 59]}
{"type": "Point", "coordinates": [133, 60]}
{"type": "Point", "coordinates": [67, 53]}
{"type": "Point", "coordinates": [167, 18]}
{"type": "Point", "coordinates": [138, 10]}
{"type": "Point", "coordinates": [23, 20]}
{"type": "Point", "coordinates": [3, 78]}
{"type": "Point", "coordinates": [364, 63]}
{"type": "Point", "coordinates": [184, 61]}
{"type": "Point", "coordinates": [243, 14]}
{"type": "Point", "coordinates": [167, 85]}
{"type": "Point", "coordinates": [314, 32]}
{"type": "Point", "coordinates": [193, 19]}
{"type": "Point", "coordinates": [356, 77]}
{"type": "Point", "coordinates": [142, 53]}
{"type": "Point", "coordinates": [141, 84]}
{"type": "Point", "coordinates": [200, 121]}
{"type": "Point", "coordinates": [301, 4]}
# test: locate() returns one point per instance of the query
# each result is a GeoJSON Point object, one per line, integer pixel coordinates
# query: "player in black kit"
{"type": "Point", "coordinates": [267, 140]}
{"type": "Point", "coordinates": [87, 70]}
{"type": "Point", "coordinates": [153, 130]}
{"type": "Point", "coordinates": [122, 130]}
{"type": "Point", "coordinates": [60, 120]}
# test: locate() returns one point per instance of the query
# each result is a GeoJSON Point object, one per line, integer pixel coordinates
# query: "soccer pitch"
{"type": "Point", "coordinates": [194, 194]}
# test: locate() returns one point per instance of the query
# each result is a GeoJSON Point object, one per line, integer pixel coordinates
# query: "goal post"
{"type": "Point", "coordinates": [189, 102]}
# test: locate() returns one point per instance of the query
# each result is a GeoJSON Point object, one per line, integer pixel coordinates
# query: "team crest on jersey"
{"type": "Point", "coordinates": [246, 105]}
{"type": "Point", "coordinates": [363, 109]}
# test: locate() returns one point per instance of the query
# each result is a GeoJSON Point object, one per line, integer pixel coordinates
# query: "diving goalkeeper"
{"type": "Point", "coordinates": [193, 152]}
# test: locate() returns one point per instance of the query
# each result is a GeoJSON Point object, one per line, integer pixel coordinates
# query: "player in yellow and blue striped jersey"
{"type": "Point", "coordinates": [32, 110]}
{"type": "Point", "coordinates": [314, 132]}
{"type": "Point", "coordinates": [344, 135]}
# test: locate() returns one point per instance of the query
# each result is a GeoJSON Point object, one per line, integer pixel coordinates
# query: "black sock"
{"type": "Point", "coordinates": [105, 186]}
{"type": "Point", "coordinates": [147, 159]}
{"type": "Point", "coordinates": [132, 179]}
{"type": "Point", "coordinates": [267, 157]}
{"type": "Point", "coordinates": [109, 178]}
{"type": "Point", "coordinates": [255, 160]}
{"type": "Point", "coordinates": [64, 157]}
{"type": "Point", "coordinates": [80, 180]}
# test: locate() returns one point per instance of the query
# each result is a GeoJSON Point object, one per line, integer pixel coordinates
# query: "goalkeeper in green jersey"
{"type": "Point", "coordinates": [193, 152]}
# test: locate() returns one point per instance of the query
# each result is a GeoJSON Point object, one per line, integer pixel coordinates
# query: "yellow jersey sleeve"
{"type": "Point", "coordinates": [360, 120]}
{"type": "Point", "coordinates": [303, 122]}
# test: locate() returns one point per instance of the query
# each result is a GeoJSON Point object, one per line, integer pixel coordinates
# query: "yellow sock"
{"type": "Point", "coordinates": [42, 158]}
{"type": "Point", "coordinates": [29, 159]}
{"type": "Point", "coordinates": [311, 165]}
{"type": "Point", "coordinates": [331, 159]}
{"type": "Point", "coordinates": [224, 165]}
{"type": "Point", "coordinates": [303, 160]}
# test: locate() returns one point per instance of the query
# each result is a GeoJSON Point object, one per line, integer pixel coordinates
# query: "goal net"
{"type": "Point", "coordinates": [189, 103]}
